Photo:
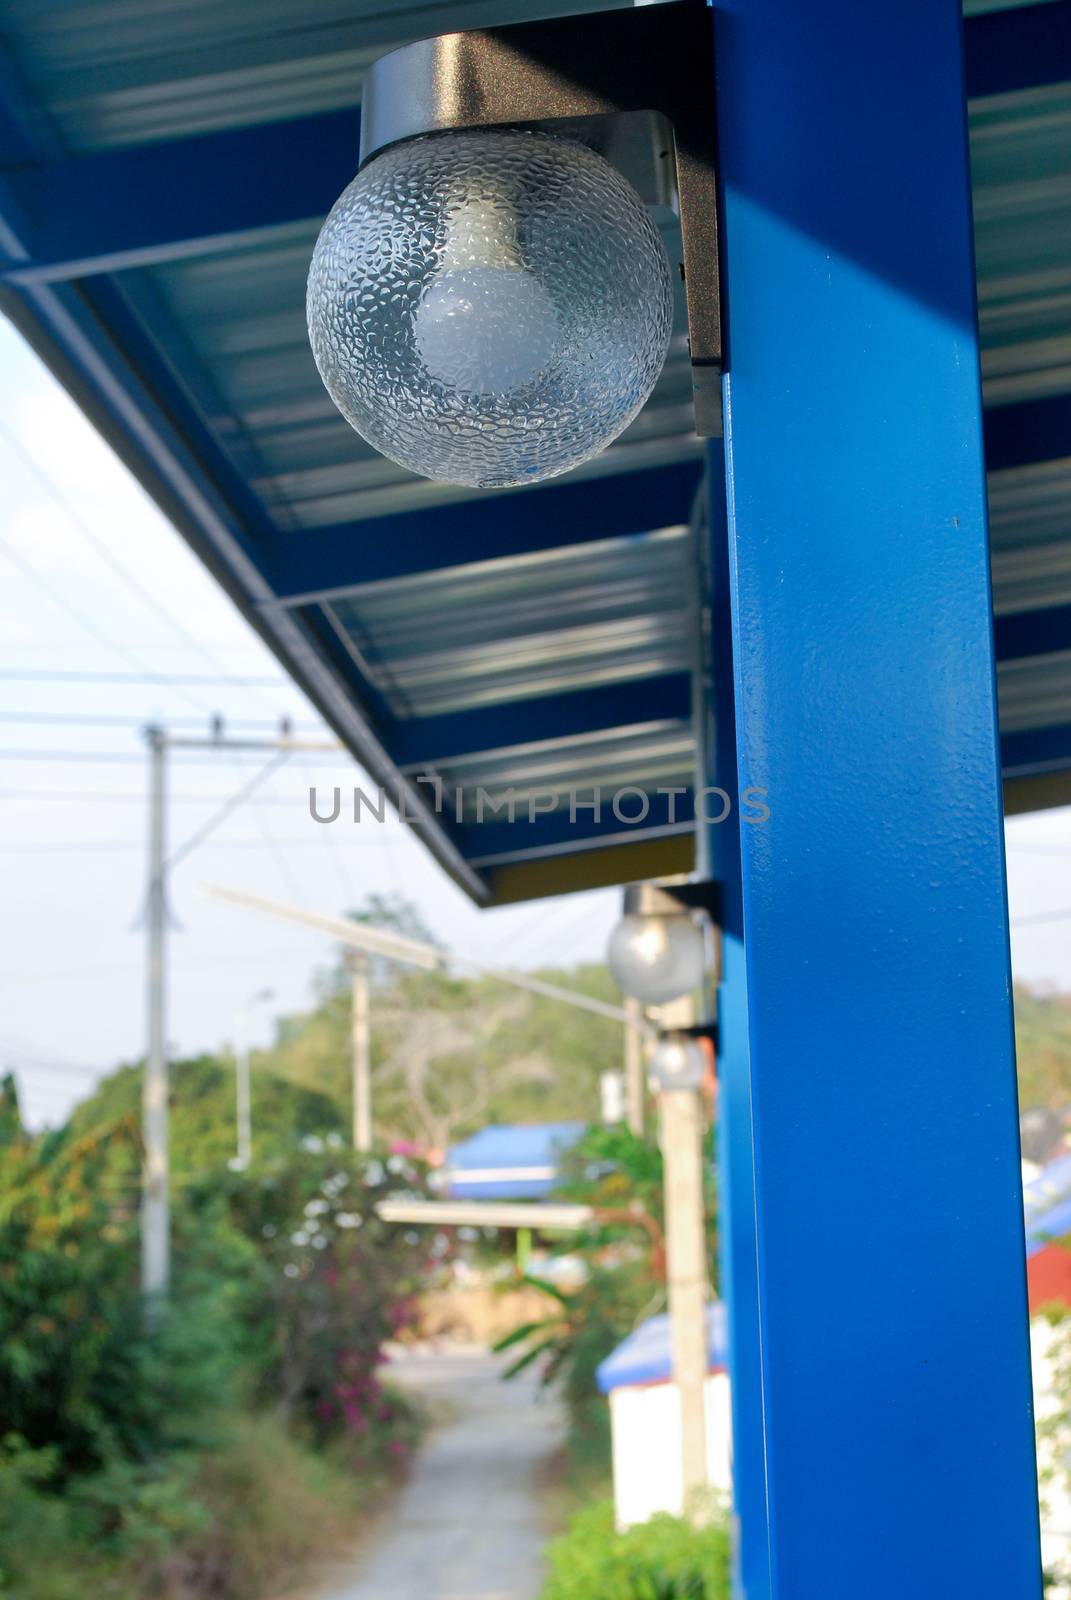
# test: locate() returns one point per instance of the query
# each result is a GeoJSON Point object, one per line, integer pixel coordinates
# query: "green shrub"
{"type": "Point", "coordinates": [234, 1522]}
{"type": "Point", "coordinates": [664, 1559]}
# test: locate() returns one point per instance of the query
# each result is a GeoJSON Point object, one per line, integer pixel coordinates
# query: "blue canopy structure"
{"type": "Point", "coordinates": [511, 1161]}
{"type": "Point", "coordinates": [866, 618]}
{"type": "Point", "coordinates": [163, 173]}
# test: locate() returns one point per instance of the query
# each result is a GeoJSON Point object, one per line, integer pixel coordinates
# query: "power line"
{"type": "Point", "coordinates": [103, 847]}
{"type": "Point", "coordinates": [229, 805]}
{"type": "Point", "coordinates": [1035, 919]}
{"type": "Point", "coordinates": [130, 796]}
{"type": "Point", "coordinates": [198, 679]}
{"type": "Point", "coordinates": [89, 625]}
{"type": "Point", "coordinates": [100, 547]}
{"type": "Point", "coordinates": [93, 719]}
{"type": "Point", "coordinates": [24, 754]}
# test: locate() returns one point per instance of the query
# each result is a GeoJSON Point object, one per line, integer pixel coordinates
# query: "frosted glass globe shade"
{"type": "Point", "coordinates": [489, 307]}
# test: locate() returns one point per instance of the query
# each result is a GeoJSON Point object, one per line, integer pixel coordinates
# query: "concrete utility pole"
{"type": "Point", "coordinates": [686, 1261]}
{"type": "Point", "coordinates": [243, 1087]}
{"type": "Point", "coordinates": [155, 1198]}
{"type": "Point", "coordinates": [362, 1053]}
{"type": "Point", "coordinates": [155, 1202]}
{"type": "Point", "coordinates": [635, 1086]}
{"type": "Point", "coordinates": [243, 1099]}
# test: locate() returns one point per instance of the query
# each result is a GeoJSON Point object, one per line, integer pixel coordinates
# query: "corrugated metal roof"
{"type": "Point", "coordinates": [218, 337]}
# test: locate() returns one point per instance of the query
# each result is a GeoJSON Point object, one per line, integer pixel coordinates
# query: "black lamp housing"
{"type": "Point", "coordinates": [635, 85]}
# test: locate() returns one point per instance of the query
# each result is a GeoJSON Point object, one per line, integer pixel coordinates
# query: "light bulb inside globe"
{"type": "Point", "coordinates": [656, 958]}
{"type": "Point", "coordinates": [678, 1062]}
{"type": "Point", "coordinates": [483, 324]}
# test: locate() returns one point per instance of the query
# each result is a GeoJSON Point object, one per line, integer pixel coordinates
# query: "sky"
{"type": "Point", "coordinates": [108, 622]}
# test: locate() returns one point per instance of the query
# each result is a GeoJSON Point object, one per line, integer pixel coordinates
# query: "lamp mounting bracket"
{"type": "Point", "coordinates": [637, 85]}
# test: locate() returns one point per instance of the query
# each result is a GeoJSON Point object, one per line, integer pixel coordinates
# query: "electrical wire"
{"type": "Point", "coordinates": [235, 800]}
{"type": "Point", "coordinates": [29, 572]}
{"type": "Point", "coordinates": [101, 548]}
{"type": "Point", "coordinates": [92, 719]}
{"type": "Point", "coordinates": [200, 679]}
{"type": "Point", "coordinates": [1037, 918]}
{"type": "Point", "coordinates": [106, 846]}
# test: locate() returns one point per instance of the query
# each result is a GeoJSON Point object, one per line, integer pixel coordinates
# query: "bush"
{"type": "Point", "coordinates": [336, 1284]}
{"type": "Point", "coordinates": [235, 1522]}
{"type": "Point", "coordinates": [664, 1559]}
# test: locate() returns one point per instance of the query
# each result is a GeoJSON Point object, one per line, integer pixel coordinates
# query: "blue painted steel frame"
{"type": "Point", "coordinates": [891, 1274]}
{"type": "Point", "coordinates": [736, 1163]}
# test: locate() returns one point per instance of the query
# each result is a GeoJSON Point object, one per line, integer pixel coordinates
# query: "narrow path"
{"type": "Point", "coordinates": [468, 1524]}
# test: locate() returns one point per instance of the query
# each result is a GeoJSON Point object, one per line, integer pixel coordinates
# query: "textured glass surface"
{"type": "Point", "coordinates": [489, 307]}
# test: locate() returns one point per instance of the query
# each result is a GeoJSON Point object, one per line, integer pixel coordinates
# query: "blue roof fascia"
{"type": "Point", "coordinates": [1025, 47]}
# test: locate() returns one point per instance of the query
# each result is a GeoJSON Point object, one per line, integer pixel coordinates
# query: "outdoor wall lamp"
{"type": "Point", "coordinates": [490, 301]}
{"type": "Point", "coordinates": [656, 952]}
{"type": "Point", "coordinates": [678, 1062]}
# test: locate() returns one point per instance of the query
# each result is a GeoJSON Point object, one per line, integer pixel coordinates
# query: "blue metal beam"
{"type": "Point", "coordinates": [135, 207]}
{"type": "Point", "coordinates": [1032, 633]}
{"type": "Point", "coordinates": [735, 1135]}
{"type": "Point", "coordinates": [1022, 48]}
{"type": "Point", "coordinates": [1028, 432]}
{"type": "Point", "coordinates": [438, 741]}
{"type": "Point", "coordinates": [492, 841]}
{"type": "Point", "coordinates": [1031, 751]}
{"type": "Point", "coordinates": [324, 563]}
{"type": "Point", "coordinates": [891, 1273]}
{"type": "Point", "coordinates": [113, 210]}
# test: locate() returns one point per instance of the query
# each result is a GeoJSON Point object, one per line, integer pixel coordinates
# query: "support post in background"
{"type": "Point", "coordinates": [686, 1265]}
{"type": "Point", "coordinates": [635, 1085]}
{"type": "Point", "coordinates": [243, 1100]}
{"type": "Point", "coordinates": [887, 1180]}
{"type": "Point", "coordinates": [155, 1201]}
{"type": "Point", "coordinates": [362, 1054]}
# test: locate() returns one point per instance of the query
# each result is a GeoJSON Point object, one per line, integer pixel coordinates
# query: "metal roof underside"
{"type": "Point", "coordinates": [164, 168]}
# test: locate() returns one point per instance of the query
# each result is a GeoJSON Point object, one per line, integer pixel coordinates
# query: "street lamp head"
{"type": "Point", "coordinates": [655, 957]}
{"type": "Point", "coordinates": [678, 1062]}
{"type": "Point", "coordinates": [489, 306]}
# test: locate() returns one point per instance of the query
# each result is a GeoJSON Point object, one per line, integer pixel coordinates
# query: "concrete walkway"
{"type": "Point", "coordinates": [468, 1524]}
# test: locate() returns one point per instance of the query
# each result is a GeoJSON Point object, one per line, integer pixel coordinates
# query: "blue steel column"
{"type": "Point", "coordinates": [891, 1284]}
{"type": "Point", "coordinates": [736, 1171]}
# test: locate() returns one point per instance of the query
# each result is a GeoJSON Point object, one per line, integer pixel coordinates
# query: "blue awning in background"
{"type": "Point", "coordinates": [511, 1162]}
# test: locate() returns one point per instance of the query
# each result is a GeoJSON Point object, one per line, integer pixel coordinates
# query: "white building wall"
{"type": "Point", "coordinates": [646, 1424]}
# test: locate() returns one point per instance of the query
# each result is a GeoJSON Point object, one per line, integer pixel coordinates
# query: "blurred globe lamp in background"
{"type": "Point", "coordinates": [656, 952]}
{"type": "Point", "coordinates": [678, 1062]}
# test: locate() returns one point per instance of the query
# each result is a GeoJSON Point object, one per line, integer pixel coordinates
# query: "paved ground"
{"type": "Point", "coordinates": [468, 1524]}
